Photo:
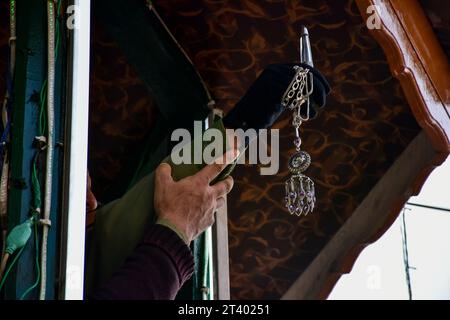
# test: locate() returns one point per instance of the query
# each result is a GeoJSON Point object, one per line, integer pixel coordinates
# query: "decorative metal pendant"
{"type": "Point", "coordinates": [299, 162]}
{"type": "Point", "coordinates": [300, 193]}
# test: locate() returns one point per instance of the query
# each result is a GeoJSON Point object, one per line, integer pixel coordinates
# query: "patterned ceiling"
{"type": "Point", "coordinates": [121, 118]}
{"type": "Point", "coordinates": [366, 125]}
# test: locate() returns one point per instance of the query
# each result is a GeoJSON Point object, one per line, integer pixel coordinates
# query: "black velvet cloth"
{"type": "Point", "coordinates": [261, 106]}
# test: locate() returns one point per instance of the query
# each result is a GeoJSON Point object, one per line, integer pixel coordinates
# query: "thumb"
{"type": "Point", "coordinates": [164, 173]}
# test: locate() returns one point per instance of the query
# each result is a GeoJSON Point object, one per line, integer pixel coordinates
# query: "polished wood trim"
{"type": "Point", "coordinates": [424, 41]}
{"type": "Point", "coordinates": [221, 256]}
{"type": "Point", "coordinates": [369, 221]}
{"type": "Point", "coordinates": [416, 59]}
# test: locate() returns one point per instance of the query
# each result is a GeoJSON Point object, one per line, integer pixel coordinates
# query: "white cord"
{"type": "Point", "coordinates": [50, 143]}
{"type": "Point", "coordinates": [12, 35]}
{"type": "Point", "coordinates": [4, 199]}
{"type": "Point", "coordinates": [5, 166]}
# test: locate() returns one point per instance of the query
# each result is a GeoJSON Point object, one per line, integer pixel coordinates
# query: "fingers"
{"type": "Point", "coordinates": [220, 202]}
{"type": "Point", "coordinates": [211, 171]}
{"type": "Point", "coordinates": [163, 174]}
{"type": "Point", "coordinates": [221, 188]}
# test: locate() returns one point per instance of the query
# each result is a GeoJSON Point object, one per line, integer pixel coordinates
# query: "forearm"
{"type": "Point", "coordinates": [156, 269]}
{"type": "Point", "coordinates": [119, 226]}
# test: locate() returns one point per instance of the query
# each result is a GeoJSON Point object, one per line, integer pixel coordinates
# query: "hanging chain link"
{"type": "Point", "coordinates": [300, 194]}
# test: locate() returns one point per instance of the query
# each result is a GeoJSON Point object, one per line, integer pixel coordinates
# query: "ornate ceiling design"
{"type": "Point", "coordinates": [366, 125]}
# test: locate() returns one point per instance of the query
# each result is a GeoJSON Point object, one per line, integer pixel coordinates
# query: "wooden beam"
{"type": "Point", "coordinates": [369, 221]}
{"type": "Point", "coordinates": [221, 257]}
{"type": "Point", "coordinates": [220, 254]}
{"type": "Point", "coordinates": [417, 60]}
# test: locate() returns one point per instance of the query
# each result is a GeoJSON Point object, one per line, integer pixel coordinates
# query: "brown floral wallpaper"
{"type": "Point", "coordinates": [366, 125]}
{"type": "Point", "coordinates": [122, 114]}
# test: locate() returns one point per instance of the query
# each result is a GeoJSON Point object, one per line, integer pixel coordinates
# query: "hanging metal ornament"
{"type": "Point", "coordinates": [300, 193]}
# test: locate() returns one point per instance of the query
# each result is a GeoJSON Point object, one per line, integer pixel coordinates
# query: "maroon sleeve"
{"type": "Point", "coordinates": [156, 269]}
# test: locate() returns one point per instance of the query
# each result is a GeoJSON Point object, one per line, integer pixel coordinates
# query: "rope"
{"type": "Point", "coordinates": [3, 265]}
{"type": "Point", "coordinates": [4, 199]}
{"type": "Point", "coordinates": [6, 122]}
{"type": "Point", "coordinates": [46, 94]}
{"type": "Point", "coordinates": [13, 36]}
{"type": "Point", "coordinates": [16, 258]}
{"type": "Point", "coordinates": [50, 143]}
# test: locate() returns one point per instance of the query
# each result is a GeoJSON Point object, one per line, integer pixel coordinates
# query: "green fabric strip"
{"type": "Point", "coordinates": [120, 225]}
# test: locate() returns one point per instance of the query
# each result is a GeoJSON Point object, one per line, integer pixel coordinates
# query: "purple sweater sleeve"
{"type": "Point", "coordinates": [156, 269]}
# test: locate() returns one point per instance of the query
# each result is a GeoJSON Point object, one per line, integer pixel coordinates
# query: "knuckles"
{"type": "Point", "coordinates": [229, 183]}
{"type": "Point", "coordinates": [208, 198]}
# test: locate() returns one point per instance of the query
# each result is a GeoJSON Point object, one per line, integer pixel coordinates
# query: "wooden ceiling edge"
{"type": "Point", "coordinates": [349, 260]}
{"type": "Point", "coordinates": [406, 64]}
{"type": "Point", "coordinates": [431, 53]}
{"type": "Point", "coordinates": [431, 111]}
{"type": "Point", "coordinates": [370, 220]}
{"type": "Point", "coordinates": [429, 114]}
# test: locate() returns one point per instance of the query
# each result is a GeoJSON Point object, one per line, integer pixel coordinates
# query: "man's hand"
{"type": "Point", "coordinates": [91, 201]}
{"type": "Point", "coordinates": [189, 204]}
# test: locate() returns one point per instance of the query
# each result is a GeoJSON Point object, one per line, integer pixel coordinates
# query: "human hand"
{"type": "Point", "coordinates": [91, 201]}
{"type": "Point", "coordinates": [188, 205]}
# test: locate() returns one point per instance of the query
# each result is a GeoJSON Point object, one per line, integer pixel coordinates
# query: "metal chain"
{"type": "Point", "coordinates": [297, 122]}
{"type": "Point", "coordinates": [295, 97]}
{"type": "Point", "coordinates": [300, 194]}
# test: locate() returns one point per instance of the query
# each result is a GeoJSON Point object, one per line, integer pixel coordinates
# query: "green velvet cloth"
{"type": "Point", "coordinates": [120, 225]}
